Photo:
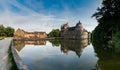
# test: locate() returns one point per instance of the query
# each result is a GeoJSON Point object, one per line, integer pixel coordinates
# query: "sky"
{"type": "Point", "coordinates": [45, 15]}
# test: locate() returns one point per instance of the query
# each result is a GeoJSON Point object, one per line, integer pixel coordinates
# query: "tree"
{"type": "Point", "coordinates": [2, 29]}
{"type": "Point", "coordinates": [109, 9]}
{"type": "Point", "coordinates": [6, 32]}
{"type": "Point", "coordinates": [108, 17]}
{"type": "Point", "coordinates": [9, 31]}
{"type": "Point", "coordinates": [54, 33]}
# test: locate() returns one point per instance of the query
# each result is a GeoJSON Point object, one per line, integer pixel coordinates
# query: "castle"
{"type": "Point", "coordinates": [76, 32]}
{"type": "Point", "coordinates": [21, 34]}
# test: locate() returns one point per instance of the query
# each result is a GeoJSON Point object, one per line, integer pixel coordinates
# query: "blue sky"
{"type": "Point", "coordinates": [45, 15]}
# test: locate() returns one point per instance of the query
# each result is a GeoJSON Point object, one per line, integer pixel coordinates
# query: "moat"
{"type": "Point", "coordinates": [65, 55]}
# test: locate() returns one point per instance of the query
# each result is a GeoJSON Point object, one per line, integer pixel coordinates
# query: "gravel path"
{"type": "Point", "coordinates": [4, 58]}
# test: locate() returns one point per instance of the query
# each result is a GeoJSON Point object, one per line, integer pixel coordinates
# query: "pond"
{"type": "Point", "coordinates": [65, 55]}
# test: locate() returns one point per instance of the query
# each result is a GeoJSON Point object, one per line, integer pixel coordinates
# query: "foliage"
{"type": "Point", "coordinates": [109, 9]}
{"type": "Point", "coordinates": [55, 43]}
{"type": "Point", "coordinates": [6, 32]}
{"type": "Point", "coordinates": [54, 33]}
{"type": "Point", "coordinates": [9, 31]}
{"type": "Point", "coordinates": [2, 30]}
{"type": "Point", "coordinates": [116, 41]}
{"type": "Point", "coordinates": [12, 61]}
{"type": "Point", "coordinates": [108, 17]}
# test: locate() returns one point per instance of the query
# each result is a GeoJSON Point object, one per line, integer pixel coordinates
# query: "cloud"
{"type": "Point", "coordinates": [33, 21]}
{"type": "Point", "coordinates": [28, 18]}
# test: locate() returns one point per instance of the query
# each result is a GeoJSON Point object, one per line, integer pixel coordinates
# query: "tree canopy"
{"type": "Point", "coordinates": [106, 35]}
{"type": "Point", "coordinates": [54, 33]}
{"type": "Point", "coordinates": [108, 16]}
{"type": "Point", "coordinates": [6, 31]}
{"type": "Point", "coordinates": [110, 10]}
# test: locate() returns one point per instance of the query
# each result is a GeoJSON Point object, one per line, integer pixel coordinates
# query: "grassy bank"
{"type": "Point", "coordinates": [13, 64]}
{"type": "Point", "coordinates": [2, 38]}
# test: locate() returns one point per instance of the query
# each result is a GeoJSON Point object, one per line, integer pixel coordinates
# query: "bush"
{"type": "Point", "coordinates": [54, 33]}
{"type": "Point", "coordinates": [6, 32]}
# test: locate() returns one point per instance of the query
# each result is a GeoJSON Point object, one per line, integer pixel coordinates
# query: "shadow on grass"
{"type": "Point", "coordinates": [13, 64]}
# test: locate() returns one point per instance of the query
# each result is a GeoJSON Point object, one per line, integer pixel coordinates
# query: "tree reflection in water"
{"type": "Point", "coordinates": [76, 46]}
{"type": "Point", "coordinates": [108, 58]}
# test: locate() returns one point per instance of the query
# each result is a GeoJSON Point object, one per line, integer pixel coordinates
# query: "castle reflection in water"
{"type": "Point", "coordinates": [76, 46]}
{"type": "Point", "coordinates": [20, 44]}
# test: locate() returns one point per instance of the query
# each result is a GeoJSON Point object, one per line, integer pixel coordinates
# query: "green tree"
{"type": "Point", "coordinates": [6, 32]}
{"type": "Point", "coordinates": [54, 33]}
{"type": "Point", "coordinates": [110, 9]}
{"type": "Point", "coordinates": [55, 43]}
{"type": "Point", "coordinates": [2, 30]}
{"type": "Point", "coordinates": [108, 16]}
{"type": "Point", "coordinates": [9, 31]}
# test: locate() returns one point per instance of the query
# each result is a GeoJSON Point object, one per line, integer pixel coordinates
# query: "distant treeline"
{"type": "Point", "coordinates": [6, 31]}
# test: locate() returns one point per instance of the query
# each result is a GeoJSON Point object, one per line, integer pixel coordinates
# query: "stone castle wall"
{"type": "Point", "coordinates": [76, 32]}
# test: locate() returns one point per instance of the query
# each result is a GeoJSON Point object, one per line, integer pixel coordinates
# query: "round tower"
{"type": "Point", "coordinates": [63, 29]}
{"type": "Point", "coordinates": [79, 25]}
{"type": "Point", "coordinates": [65, 26]}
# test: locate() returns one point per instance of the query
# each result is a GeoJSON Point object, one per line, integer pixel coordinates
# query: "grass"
{"type": "Point", "coordinates": [13, 64]}
{"type": "Point", "coordinates": [2, 38]}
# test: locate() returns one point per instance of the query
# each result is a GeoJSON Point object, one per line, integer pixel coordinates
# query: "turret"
{"type": "Point", "coordinates": [65, 26]}
{"type": "Point", "coordinates": [79, 25]}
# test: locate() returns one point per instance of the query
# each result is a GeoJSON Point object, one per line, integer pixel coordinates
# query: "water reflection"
{"type": "Point", "coordinates": [52, 54]}
{"type": "Point", "coordinates": [108, 58]}
{"type": "Point", "coordinates": [74, 45]}
{"type": "Point", "coordinates": [20, 44]}
{"type": "Point", "coordinates": [55, 42]}
{"type": "Point", "coordinates": [66, 45]}
{"type": "Point", "coordinates": [96, 57]}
